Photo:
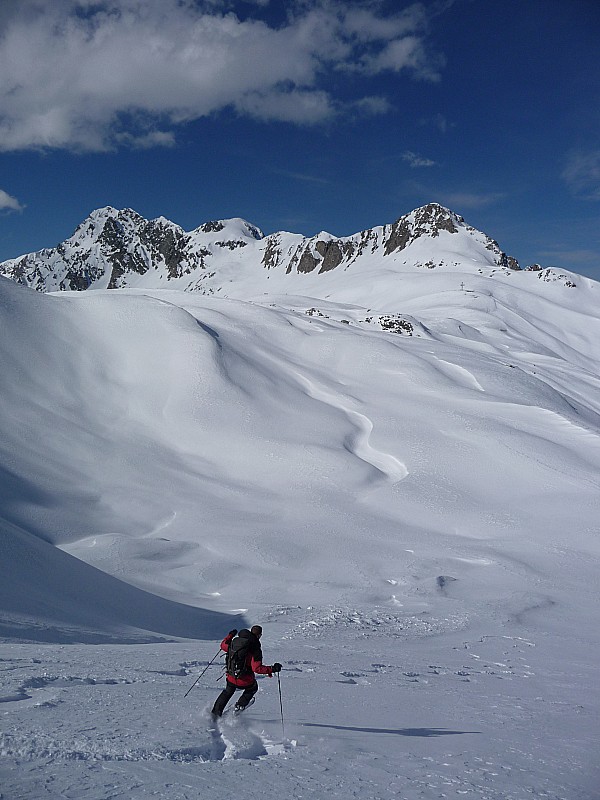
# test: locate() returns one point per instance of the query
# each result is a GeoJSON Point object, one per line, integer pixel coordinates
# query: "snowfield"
{"type": "Point", "coordinates": [396, 474]}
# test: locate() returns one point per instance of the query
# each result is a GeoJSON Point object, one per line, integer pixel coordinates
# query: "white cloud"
{"type": "Point", "coordinates": [9, 203]}
{"type": "Point", "coordinates": [148, 140]}
{"type": "Point", "coordinates": [415, 160]}
{"type": "Point", "coordinates": [289, 106]}
{"type": "Point", "coordinates": [362, 23]}
{"type": "Point", "coordinates": [439, 121]}
{"type": "Point", "coordinates": [371, 106]}
{"type": "Point", "coordinates": [94, 74]}
{"type": "Point", "coordinates": [442, 124]}
{"type": "Point", "coordinates": [582, 174]}
{"type": "Point", "coordinates": [405, 53]}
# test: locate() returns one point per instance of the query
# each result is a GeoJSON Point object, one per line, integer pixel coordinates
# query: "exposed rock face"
{"type": "Point", "coordinates": [168, 242]}
{"type": "Point", "coordinates": [307, 262]}
{"type": "Point", "coordinates": [212, 227]}
{"type": "Point", "coordinates": [113, 249]}
{"type": "Point", "coordinates": [550, 275]}
{"type": "Point", "coordinates": [324, 254]}
{"type": "Point", "coordinates": [272, 254]}
{"type": "Point", "coordinates": [333, 253]}
{"type": "Point", "coordinates": [110, 247]}
{"type": "Point", "coordinates": [426, 221]}
{"type": "Point", "coordinates": [131, 244]}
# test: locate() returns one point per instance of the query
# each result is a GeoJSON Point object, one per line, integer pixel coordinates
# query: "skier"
{"type": "Point", "coordinates": [244, 658]}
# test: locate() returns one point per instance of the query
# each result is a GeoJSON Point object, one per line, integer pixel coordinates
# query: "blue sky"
{"type": "Point", "coordinates": [304, 115]}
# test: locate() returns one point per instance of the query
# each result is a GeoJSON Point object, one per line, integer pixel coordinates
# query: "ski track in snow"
{"type": "Point", "coordinates": [390, 468]}
{"type": "Point", "coordinates": [468, 716]}
{"type": "Point", "coordinates": [228, 738]}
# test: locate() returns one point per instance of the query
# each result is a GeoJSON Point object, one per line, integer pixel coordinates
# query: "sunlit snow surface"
{"type": "Point", "coordinates": [412, 518]}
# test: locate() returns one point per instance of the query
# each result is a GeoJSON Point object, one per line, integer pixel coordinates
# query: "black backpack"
{"type": "Point", "coordinates": [239, 648]}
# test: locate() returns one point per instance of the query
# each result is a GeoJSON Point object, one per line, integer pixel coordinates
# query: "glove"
{"type": "Point", "coordinates": [276, 667]}
{"type": "Point", "coordinates": [232, 633]}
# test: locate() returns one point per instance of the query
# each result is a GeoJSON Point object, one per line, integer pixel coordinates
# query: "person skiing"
{"type": "Point", "coordinates": [244, 659]}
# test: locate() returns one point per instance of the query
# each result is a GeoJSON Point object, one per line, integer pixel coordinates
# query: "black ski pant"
{"type": "Point", "coordinates": [227, 694]}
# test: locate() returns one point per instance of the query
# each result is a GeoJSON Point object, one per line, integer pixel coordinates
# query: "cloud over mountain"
{"type": "Point", "coordinates": [91, 76]}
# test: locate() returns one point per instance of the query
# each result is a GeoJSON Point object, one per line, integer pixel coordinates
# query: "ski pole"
{"type": "Point", "coordinates": [202, 673]}
{"type": "Point", "coordinates": [281, 705]}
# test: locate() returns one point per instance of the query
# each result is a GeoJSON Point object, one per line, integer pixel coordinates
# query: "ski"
{"type": "Point", "coordinates": [237, 710]}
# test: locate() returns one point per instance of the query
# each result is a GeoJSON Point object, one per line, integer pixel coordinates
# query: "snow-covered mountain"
{"type": "Point", "coordinates": [116, 249]}
{"type": "Point", "coordinates": [392, 464]}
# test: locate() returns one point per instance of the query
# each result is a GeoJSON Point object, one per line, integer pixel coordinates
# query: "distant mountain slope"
{"type": "Point", "coordinates": [292, 451]}
{"type": "Point", "coordinates": [116, 249]}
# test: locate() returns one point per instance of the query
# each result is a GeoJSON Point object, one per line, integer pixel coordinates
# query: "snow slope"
{"type": "Point", "coordinates": [397, 476]}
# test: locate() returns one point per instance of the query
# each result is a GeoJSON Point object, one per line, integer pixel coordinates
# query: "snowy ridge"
{"type": "Point", "coordinates": [116, 249]}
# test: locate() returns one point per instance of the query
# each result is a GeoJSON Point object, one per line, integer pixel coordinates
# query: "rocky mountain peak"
{"type": "Point", "coordinates": [115, 248]}
{"type": "Point", "coordinates": [428, 220]}
{"type": "Point", "coordinates": [434, 218]}
{"type": "Point", "coordinates": [236, 226]}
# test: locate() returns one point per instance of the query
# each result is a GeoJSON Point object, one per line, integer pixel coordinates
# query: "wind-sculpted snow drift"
{"type": "Point", "coordinates": [394, 467]}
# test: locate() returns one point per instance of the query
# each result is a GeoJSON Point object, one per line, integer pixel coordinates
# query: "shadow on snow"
{"type": "Point", "coordinates": [47, 595]}
{"type": "Point", "coordinates": [395, 731]}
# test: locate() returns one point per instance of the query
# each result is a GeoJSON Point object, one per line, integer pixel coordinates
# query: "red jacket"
{"type": "Point", "coordinates": [253, 663]}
